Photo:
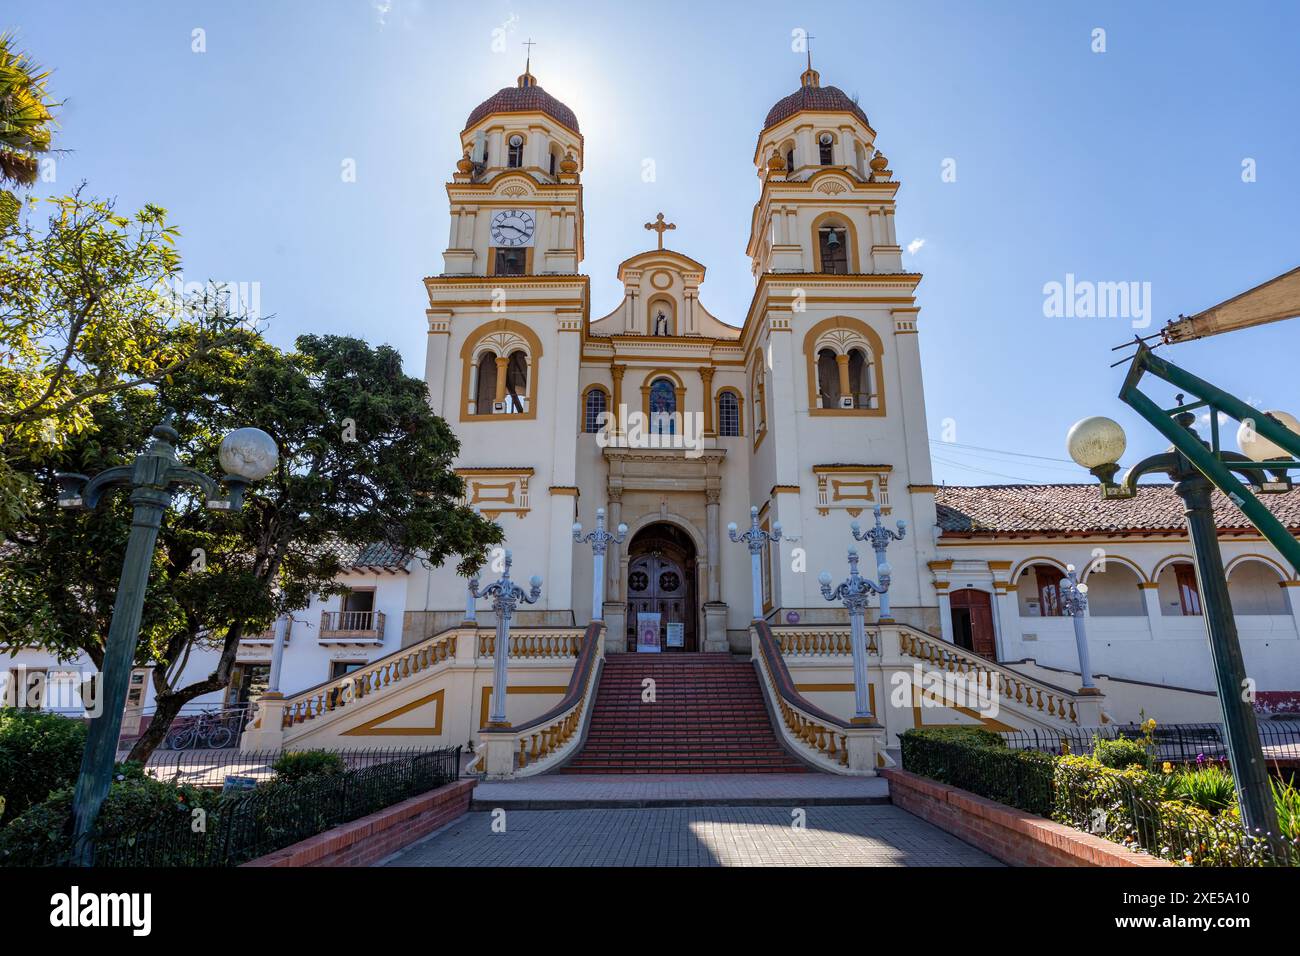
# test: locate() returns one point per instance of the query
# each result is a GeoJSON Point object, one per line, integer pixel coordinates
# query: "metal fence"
{"type": "Point", "coordinates": [213, 768]}
{"type": "Point", "coordinates": [1177, 743]}
{"type": "Point", "coordinates": [242, 825]}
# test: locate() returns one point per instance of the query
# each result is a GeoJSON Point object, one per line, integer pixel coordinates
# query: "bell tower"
{"type": "Point", "coordinates": [505, 323]}
{"type": "Point", "coordinates": [516, 197]}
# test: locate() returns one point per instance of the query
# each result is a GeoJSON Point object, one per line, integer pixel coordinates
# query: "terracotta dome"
{"type": "Point", "coordinates": [526, 97]}
{"type": "Point", "coordinates": [812, 96]}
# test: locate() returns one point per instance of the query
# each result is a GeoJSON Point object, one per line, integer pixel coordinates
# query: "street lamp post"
{"type": "Point", "coordinates": [1074, 602]}
{"type": "Point", "coordinates": [853, 592]}
{"type": "Point", "coordinates": [247, 455]}
{"type": "Point", "coordinates": [756, 538]}
{"type": "Point", "coordinates": [880, 536]}
{"type": "Point", "coordinates": [600, 539]}
{"type": "Point", "coordinates": [1097, 444]}
{"type": "Point", "coordinates": [505, 595]}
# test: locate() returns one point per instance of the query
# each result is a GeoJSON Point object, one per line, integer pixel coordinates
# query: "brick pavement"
{"type": "Point", "coordinates": [877, 835]}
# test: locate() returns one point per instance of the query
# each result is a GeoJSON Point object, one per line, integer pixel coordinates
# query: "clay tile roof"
{"type": "Point", "coordinates": [1041, 509]}
{"type": "Point", "coordinates": [819, 98]}
{"type": "Point", "coordinates": [373, 556]}
{"type": "Point", "coordinates": [524, 99]}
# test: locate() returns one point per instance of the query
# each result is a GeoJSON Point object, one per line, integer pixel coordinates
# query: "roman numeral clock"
{"type": "Point", "coordinates": [513, 228]}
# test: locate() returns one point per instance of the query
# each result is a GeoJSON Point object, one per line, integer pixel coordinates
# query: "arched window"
{"type": "Point", "coordinates": [756, 391]}
{"type": "Point", "coordinates": [728, 414]}
{"type": "Point", "coordinates": [833, 243]}
{"type": "Point", "coordinates": [486, 390]}
{"type": "Point", "coordinates": [555, 160]}
{"type": "Point", "coordinates": [828, 379]}
{"type": "Point", "coordinates": [826, 149]}
{"type": "Point", "coordinates": [663, 407]}
{"type": "Point", "coordinates": [499, 374]}
{"type": "Point", "coordinates": [515, 154]}
{"type": "Point", "coordinates": [593, 409]}
{"type": "Point", "coordinates": [1256, 588]}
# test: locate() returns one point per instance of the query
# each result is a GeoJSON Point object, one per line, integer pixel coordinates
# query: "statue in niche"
{"type": "Point", "coordinates": [661, 323]}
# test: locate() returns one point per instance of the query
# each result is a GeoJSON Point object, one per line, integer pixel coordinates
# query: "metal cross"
{"type": "Point", "coordinates": [660, 227]}
{"type": "Point", "coordinates": [528, 57]}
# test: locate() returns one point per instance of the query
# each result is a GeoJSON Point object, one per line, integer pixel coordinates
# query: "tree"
{"type": "Point", "coordinates": [88, 308]}
{"type": "Point", "coordinates": [363, 461]}
{"type": "Point", "coordinates": [26, 120]}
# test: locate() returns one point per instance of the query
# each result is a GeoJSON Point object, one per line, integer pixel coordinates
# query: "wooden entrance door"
{"type": "Point", "coordinates": [972, 621]}
{"type": "Point", "coordinates": [660, 582]}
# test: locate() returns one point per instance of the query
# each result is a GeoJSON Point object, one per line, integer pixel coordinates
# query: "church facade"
{"type": "Point", "coordinates": [809, 407]}
{"type": "Point", "coordinates": [809, 410]}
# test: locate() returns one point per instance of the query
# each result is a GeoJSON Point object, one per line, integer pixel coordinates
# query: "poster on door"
{"type": "Point", "coordinates": [647, 633]}
{"type": "Point", "coordinates": [676, 636]}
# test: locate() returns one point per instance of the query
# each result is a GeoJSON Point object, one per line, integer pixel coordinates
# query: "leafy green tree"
{"type": "Point", "coordinates": [363, 460]}
{"type": "Point", "coordinates": [89, 307]}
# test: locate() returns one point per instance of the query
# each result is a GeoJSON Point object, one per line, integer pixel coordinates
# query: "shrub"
{"type": "Point", "coordinates": [968, 735]}
{"type": "Point", "coordinates": [1210, 788]}
{"type": "Point", "coordinates": [39, 753]}
{"type": "Point", "coordinates": [1019, 778]}
{"type": "Point", "coordinates": [296, 765]}
{"type": "Point", "coordinates": [43, 833]}
{"type": "Point", "coordinates": [1120, 753]}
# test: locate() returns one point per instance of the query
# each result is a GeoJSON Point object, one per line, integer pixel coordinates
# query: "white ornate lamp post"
{"type": "Point", "coordinates": [880, 536]}
{"type": "Point", "coordinates": [505, 595]}
{"type": "Point", "coordinates": [247, 455]}
{"type": "Point", "coordinates": [600, 539]}
{"type": "Point", "coordinates": [756, 538]}
{"type": "Point", "coordinates": [1074, 602]}
{"type": "Point", "coordinates": [853, 592]}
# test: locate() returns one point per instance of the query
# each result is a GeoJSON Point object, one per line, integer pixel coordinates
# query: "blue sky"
{"type": "Point", "coordinates": [1117, 166]}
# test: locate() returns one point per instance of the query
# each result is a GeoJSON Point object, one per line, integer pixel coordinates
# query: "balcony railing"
{"type": "Point", "coordinates": [352, 627]}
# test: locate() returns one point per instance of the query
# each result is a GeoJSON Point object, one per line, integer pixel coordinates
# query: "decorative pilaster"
{"type": "Point", "coordinates": [706, 378]}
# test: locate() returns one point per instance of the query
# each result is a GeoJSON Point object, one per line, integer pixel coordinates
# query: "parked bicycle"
{"type": "Point", "coordinates": [210, 729]}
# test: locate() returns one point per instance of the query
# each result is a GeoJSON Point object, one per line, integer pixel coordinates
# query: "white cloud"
{"type": "Point", "coordinates": [914, 246]}
{"type": "Point", "coordinates": [382, 8]}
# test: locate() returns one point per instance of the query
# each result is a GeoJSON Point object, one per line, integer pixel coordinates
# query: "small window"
{"type": "Point", "coordinates": [789, 160]}
{"type": "Point", "coordinates": [728, 415]}
{"type": "Point", "coordinates": [833, 245]}
{"type": "Point", "coordinates": [554, 162]}
{"type": "Point", "coordinates": [825, 149]}
{"type": "Point", "coordinates": [859, 378]}
{"type": "Point", "coordinates": [510, 262]}
{"type": "Point", "coordinates": [486, 391]}
{"type": "Point", "coordinates": [595, 408]}
{"type": "Point", "coordinates": [1189, 595]}
{"type": "Point", "coordinates": [516, 382]}
{"type": "Point", "coordinates": [828, 379]}
{"type": "Point", "coordinates": [343, 668]}
{"type": "Point", "coordinates": [515, 155]}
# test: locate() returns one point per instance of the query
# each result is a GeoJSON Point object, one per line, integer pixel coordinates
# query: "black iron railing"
{"type": "Point", "coordinates": [1177, 743]}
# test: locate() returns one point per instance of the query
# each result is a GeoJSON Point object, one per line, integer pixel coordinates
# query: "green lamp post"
{"type": "Point", "coordinates": [1097, 444]}
{"type": "Point", "coordinates": [247, 455]}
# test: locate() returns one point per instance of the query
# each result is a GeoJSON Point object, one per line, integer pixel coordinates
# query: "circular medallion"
{"type": "Point", "coordinates": [669, 581]}
{"type": "Point", "coordinates": [661, 279]}
{"type": "Point", "coordinates": [638, 581]}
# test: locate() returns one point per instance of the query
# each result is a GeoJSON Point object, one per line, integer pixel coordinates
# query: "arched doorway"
{"type": "Point", "coordinates": [661, 574]}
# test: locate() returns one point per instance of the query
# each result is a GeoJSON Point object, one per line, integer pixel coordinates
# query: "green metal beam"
{"type": "Point", "coordinates": [1208, 463]}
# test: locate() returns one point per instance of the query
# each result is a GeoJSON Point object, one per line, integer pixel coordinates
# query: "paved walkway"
{"type": "Point", "coordinates": [578, 791]}
{"type": "Point", "coordinates": [880, 835]}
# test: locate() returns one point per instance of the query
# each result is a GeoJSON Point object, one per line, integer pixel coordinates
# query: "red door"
{"type": "Point", "coordinates": [972, 621]}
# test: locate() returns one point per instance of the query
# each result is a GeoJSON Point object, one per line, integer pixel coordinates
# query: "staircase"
{"type": "Point", "coordinates": [707, 717]}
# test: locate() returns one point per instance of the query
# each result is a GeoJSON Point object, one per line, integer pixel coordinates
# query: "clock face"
{"type": "Point", "coordinates": [513, 227]}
